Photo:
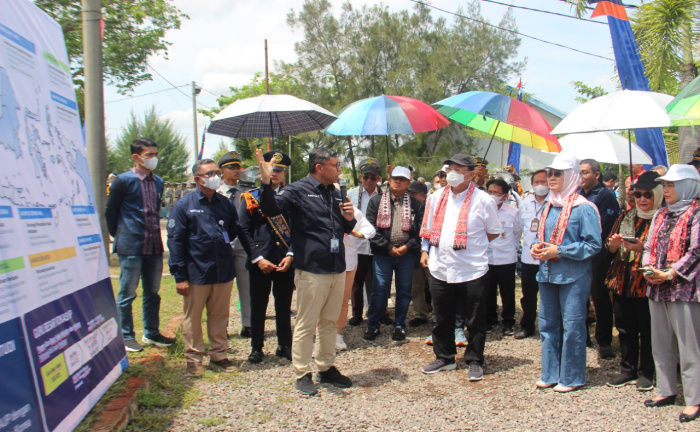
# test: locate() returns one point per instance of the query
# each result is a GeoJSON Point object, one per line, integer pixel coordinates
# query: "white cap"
{"type": "Point", "coordinates": [565, 161]}
{"type": "Point", "coordinates": [680, 172]}
{"type": "Point", "coordinates": [400, 171]}
{"type": "Point", "coordinates": [444, 168]}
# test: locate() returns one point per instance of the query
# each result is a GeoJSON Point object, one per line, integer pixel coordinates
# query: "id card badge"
{"type": "Point", "coordinates": [335, 245]}
{"type": "Point", "coordinates": [535, 225]}
{"type": "Point", "coordinates": [227, 239]}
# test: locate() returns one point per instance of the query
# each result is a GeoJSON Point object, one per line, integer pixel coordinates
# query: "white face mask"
{"type": "Point", "coordinates": [541, 190]}
{"type": "Point", "coordinates": [149, 164]}
{"type": "Point", "coordinates": [496, 200]}
{"type": "Point", "coordinates": [454, 178]}
{"type": "Point", "coordinates": [212, 182]}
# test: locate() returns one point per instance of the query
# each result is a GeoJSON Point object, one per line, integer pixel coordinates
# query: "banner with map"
{"type": "Point", "coordinates": [60, 343]}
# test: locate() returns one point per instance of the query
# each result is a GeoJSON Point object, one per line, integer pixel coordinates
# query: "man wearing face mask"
{"type": "Point", "coordinates": [132, 214]}
{"type": "Point", "coordinates": [531, 209]}
{"type": "Point", "coordinates": [200, 231]}
{"type": "Point", "coordinates": [503, 253]}
{"type": "Point", "coordinates": [458, 225]}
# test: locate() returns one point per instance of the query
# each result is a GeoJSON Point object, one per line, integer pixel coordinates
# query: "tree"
{"type": "Point", "coordinates": [134, 30]}
{"type": "Point", "coordinates": [173, 155]}
{"type": "Point", "coordinates": [586, 92]}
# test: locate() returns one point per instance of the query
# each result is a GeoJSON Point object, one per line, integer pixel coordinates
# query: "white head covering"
{"type": "Point", "coordinates": [567, 163]}
{"type": "Point", "coordinates": [687, 183]}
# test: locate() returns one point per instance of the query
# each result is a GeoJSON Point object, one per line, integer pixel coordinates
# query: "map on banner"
{"type": "Point", "coordinates": [60, 342]}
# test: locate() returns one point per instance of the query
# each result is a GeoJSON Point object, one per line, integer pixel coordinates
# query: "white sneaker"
{"type": "Point", "coordinates": [340, 344]}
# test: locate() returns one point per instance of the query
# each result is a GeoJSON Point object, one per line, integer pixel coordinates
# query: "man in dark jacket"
{"type": "Point", "coordinates": [133, 219]}
{"type": "Point", "coordinates": [269, 260]}
{"type": "Point", "coordinates": [397, 218]}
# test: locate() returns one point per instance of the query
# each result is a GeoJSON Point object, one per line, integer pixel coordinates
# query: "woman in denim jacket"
{"type": "Point", "coordinates": [569, 237]}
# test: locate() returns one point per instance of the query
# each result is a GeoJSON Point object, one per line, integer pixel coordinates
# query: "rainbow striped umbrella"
{"type": "Point", "coordinates": [500, 116]}
{"type": "Point", "coordinates": [685, 108]}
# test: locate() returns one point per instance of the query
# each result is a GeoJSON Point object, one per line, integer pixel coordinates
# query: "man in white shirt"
{"type": "Point", "coordinates": [531, 209]}
{"type": "Point", "coordinates": [503, 253]}
{"type": "Point", "coordinates": [364, 276]}
{"type": "Point", "coordinates": [458, 225]}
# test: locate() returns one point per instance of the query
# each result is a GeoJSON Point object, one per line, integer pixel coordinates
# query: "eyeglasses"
{"type": "Point", "coordinates": [494, 193]}
{"type": "Point", "coordinates": [210, 174]}
{"type": "Point", "coordinates": [647, 195]}
{"type": "Point", "coordinates": [555, 173]}
{"type": "Point", "coordinates": [369, 177]}
{"type": "Point", "coordinates": [337, 164]}
{"type": "Point", "coordinates": [585, 173]}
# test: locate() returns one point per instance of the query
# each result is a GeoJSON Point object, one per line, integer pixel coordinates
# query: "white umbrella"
{"type": "Point", "coordinates": [270, 116]}
{"type": "Point", "coordinates": [603, 147]}
{"type": "Point", "coordinates": [626, 109]}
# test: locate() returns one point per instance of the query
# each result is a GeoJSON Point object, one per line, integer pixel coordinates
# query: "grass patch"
{"type": "Point", "coordinates": [212, 421]}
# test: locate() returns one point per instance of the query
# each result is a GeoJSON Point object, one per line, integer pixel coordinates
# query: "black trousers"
{"type": "Point", "coordinates": [528, 302]}
{"type": "Point", "coordinates": [363, 275]}
{"type": "Point", "coordinates": [633, 321]}
{"type": "Point", "coordinates": [446, 298]}
{"type": "Point", "coordinates": [501, 277]}
{"type": "Point", "coordinates": [602, 303]}
{"type": "Point", "coordinates": [282, 286]}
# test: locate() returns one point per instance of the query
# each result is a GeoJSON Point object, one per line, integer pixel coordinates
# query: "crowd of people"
{"type": "Point", "coordinates": [450, 249]}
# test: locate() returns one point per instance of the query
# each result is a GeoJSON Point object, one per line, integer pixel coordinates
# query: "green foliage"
{"type": "Point", "coordinates": [134, 30]}
{"type": "Point", "coordinates": [173, 154]}
{"type": "Point", "coordinates": [586, 92]}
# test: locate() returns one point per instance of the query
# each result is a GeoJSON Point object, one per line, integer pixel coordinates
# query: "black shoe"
{"type": "Point", "coordinates": [416, 322]}
{"type": "Point", "coordinates": [158, 340]}
{"type": "Point", "coordinates": [255, 356]}
{"type": "Point", "coordinates": [684, 418]}
{"type": "Point", "coordinates": [399, 334]}
{"type": "Point", "coordinates": [284, 352]}
{"type": "Point", "coordinates": [589, 342]}
{"type": "Point", "coordinates": [606, 352]}
{"type": "Point", "coordinates": [386, 320]}
{"type": "Point", "coordinates": [508, 331]}
{"type": "Point", "coordinates": [490, 327]}
{"type": "Point", "coordinates": [622, 380]}
{"type": "Point", "coordinates": [668, 400]}
{"type": "Point", "coordinates": [245, 332]}
{"type": "Point", "coordinates": [371, 334]}
{"type": "Point", "coordinates": [355, 321]}
{"type": "Point", "coordinates": [644, 383]}
{"type": "Point", "coordinates": [334, 377]}
{"type": "Point", "coordinates": [305, 385]}
{"type": "Point", "coordinates": [132, 346]}
{"type": "Point", "coordinates": [522, 334]}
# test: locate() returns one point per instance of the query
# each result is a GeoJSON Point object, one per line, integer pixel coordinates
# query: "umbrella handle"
{"type": "Point", "coordinates": [387, 150]}
{"type": "Point", "coordinates": [494, 134]}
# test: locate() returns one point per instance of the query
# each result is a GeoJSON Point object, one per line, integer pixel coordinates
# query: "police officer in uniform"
{"type": "Point", "coordinates": [230, 165]}
{"type": "Point", "coordinates": [271, 257]}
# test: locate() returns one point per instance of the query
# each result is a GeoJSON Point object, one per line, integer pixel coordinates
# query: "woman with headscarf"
{"type": "Point", "coordinates": [672, 268]}
{"type": "Point", "coordinates": [569, 236]}
{"type": "Point", "coordinates": [630, 304]}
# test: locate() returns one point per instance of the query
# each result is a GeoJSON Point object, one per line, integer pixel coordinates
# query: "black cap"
{"type": "Point", "coordinates": [461, 159]}
{"type": "Point", "coordinates": [419, 187]}
{"type": "Point", "coordinates": [371, 166]}
{"type": "Point", "coordinates": [280, 161]}
{"type": "Point", "coordinates": [230, 158]}
{"type": "Point", "coordinates": [480, 161]}
{"type": "Point", "coordinates": [646, 180]}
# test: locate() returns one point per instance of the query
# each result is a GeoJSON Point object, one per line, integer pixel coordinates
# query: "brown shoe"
{"type": "Point", "coordinates": [224, 365]}
{"type": "Point", "coordinates": [195, 368]}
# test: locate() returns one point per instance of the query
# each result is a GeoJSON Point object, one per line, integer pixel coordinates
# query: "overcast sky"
{"type": "Point", "coordinates": [222, 45]}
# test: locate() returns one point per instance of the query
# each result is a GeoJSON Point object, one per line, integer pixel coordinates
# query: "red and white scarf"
{"type": "Point", "coordinates": [560, 228]}
{"type": "Point", "coordinates": [432, 231]}
{"type": "Point", "coordinates": [679, 235]}
{"type": "Point", "coordinates": [384, 214]}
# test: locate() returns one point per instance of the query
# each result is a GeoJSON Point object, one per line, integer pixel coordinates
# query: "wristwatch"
{"type": "Point", "coordinates": [669, 276]}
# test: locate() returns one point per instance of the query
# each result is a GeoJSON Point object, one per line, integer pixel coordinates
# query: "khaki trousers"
{"type": "Point", "coordinates": [318, 306]}
{"type": "Point", "coordinates": [343, 317]}
{"type": "Point", "coordinates": [216, 298]}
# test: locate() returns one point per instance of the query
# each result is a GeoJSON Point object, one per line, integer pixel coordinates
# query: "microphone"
{"type": "Point", "coordinates": [343, 189]}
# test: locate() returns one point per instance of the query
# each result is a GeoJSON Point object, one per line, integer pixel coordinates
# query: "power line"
{"type": "Point", "coordinates": [142, 95]}
{"type": "Point", "coordinates": [213, 94]}
{"type": "Point", "coordinates": [512, 31]}
{"type": "Point", "coordinates": [545, 12]}
{"type": "Point", "coordinates": [176, 87]}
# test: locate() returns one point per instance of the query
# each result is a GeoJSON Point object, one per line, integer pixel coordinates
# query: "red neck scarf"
{"type": "Point", "coordinates": [679, 235]}
{"type": "Point", "coordinates": [384, 214]}
{"type": "Point", "coordinates": [432, 231]}
{"type": "Point", "coordinates": [560, 228]}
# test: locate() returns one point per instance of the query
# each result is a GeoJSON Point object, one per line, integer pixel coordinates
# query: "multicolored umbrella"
{"type": "Point", "coordinates": [502, 117]}
{"type": "Point", "coordinates": [387, 115]}
{"type": "Point", "coordinates": [685, 108]}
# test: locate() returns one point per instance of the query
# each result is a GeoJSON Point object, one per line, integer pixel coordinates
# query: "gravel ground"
{"type": "Point", "coordinates": [391, 394]}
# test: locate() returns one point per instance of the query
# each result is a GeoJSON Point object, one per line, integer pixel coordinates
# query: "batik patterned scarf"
{"type": "Point", "coordinates": [434, 231]}
{"type": "Point", "coordinates": [384, 215]}
{"type": "Point", "coordinates": [679, 235]}
{"type": "Point", "coordinates": [560, 228]}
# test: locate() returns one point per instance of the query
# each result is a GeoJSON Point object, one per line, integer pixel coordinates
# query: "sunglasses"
{"type": "Point", "coordinates": [369, 177]}
{"type": "Point", "coordinates": [554, 173]}
{"type": "Point", "coordinates": [647, 195]}
{"type": "Point", "coordinates": [337, 164]}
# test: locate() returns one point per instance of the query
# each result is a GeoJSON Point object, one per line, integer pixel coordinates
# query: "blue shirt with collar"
{"type": "Point", "coordinates": [315, 219]}
{"type": "Point", "coordinates": [199, 250]}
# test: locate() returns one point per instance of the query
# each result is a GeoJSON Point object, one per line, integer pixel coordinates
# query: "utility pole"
{"type": "Point", "coordinates": [195, 91]}
{"type": "Point", "coordinates": [95, 108]}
